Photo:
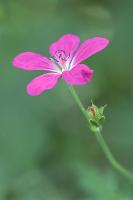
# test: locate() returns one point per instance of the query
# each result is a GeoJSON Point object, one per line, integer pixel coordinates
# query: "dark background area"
{"type": "Point", "coordinates": [46, 150]}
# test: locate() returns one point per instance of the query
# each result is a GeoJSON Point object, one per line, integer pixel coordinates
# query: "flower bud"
{"type": "Point", "coordinates": [96, 117]}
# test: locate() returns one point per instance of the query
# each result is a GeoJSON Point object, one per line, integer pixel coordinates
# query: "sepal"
{"type": "Point", "coordinates": [96, 117]}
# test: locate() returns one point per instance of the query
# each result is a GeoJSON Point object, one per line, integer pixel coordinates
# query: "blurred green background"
{"type": "Point", "coordinates": [46, 150]}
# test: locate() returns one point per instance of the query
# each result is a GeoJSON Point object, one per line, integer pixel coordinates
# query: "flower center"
{"type": "Point", "coordinates": [61, 58]}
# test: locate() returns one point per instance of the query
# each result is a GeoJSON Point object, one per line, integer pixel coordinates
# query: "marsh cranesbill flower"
{"type": "Point", "coordinates": [67, 55]}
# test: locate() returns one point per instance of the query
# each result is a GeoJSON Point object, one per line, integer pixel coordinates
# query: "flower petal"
{"type": "Point", "coordinates": [42, 83]}
{"type": "Point", "coordinates": [80, 74]}
{"type": "Point", "coordinates": [67, 43]}
{"type": "Point", "coordinates": [88, 48]}
{"type": "Point", "coordinates": [33, 61]}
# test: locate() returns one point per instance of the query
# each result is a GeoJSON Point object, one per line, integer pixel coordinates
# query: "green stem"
{"type": "Point", "coordinates": [110, 156]}
{"type": "Point", "coordinates": [73, 92]}
{"type": "Point", "coordinates": [101, 140]}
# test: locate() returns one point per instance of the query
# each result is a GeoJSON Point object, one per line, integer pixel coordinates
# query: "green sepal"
{"type": "Point", "coordinates": [96, 117]}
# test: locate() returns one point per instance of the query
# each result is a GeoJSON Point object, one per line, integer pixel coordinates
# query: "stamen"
{"type": "Point", "coordinates": [62, 59]}
{"type": "Point", "coordinates": [60, 55]}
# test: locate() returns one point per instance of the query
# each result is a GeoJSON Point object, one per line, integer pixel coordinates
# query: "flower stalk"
{"type": "Point", "coordinates": [100, 139]}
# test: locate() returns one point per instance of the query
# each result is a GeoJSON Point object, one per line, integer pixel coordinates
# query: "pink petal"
{"type": "Point", "coordinates": [42, 83]}
{"type": "Point", "coordinates": [67, 43]}
{"type": "Point", "coordinates": [33, 61]}
{"type": "Point", "coordinates": [80, 74]}
{"type": "Point", "coordinates": [88, 48]}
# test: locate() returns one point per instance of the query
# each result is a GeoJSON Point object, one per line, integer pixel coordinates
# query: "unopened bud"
{"type": "Point", "coordinates": [96, 117]}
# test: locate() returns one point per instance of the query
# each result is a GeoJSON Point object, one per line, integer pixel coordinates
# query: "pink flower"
{"type": "Point", "coordinates": [67, 56]}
